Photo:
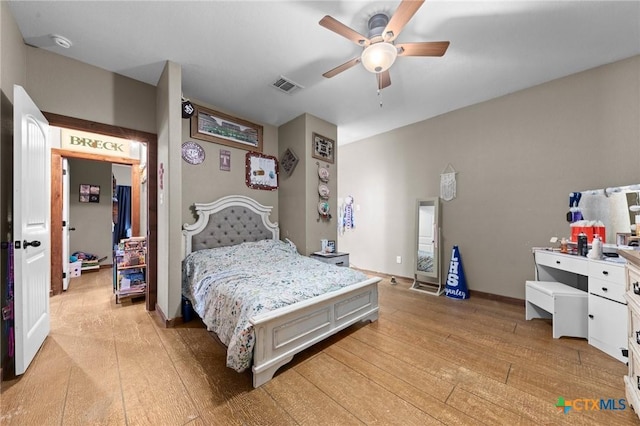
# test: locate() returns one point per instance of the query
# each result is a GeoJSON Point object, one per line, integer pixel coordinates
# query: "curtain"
{"type": "Point", "coordinates": [123, 223]}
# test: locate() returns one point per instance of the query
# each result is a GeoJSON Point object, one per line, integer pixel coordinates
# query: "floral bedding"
{"type": "Point", "coordinates": [229, 285]}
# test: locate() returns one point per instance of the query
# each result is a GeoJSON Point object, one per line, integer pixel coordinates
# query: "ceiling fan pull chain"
{"type": "Point", "coordinates": [380, 97]}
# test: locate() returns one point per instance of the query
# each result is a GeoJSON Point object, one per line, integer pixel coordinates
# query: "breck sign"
{"type": "Point", "coordinates": [94, 143]}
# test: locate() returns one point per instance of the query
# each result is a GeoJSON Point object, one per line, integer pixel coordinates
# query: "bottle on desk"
{"type": "Point", "coordinates": [564, 246]}
{"type": "Point", "coordinates": [583, 247]}
{"type": "Point", "coordinates": [596, 248]}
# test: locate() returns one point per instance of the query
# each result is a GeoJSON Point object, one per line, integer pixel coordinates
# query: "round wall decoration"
{"type": "Point", "coordinates": [323, 208]}
{"type": "Point", "coordinates": [323, 174]}
{"type": "Point", "coordinates": [323, 191]}
{"type": "Point", "coordinates": [192, 153]}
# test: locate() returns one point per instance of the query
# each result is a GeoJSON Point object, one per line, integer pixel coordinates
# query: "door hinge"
{"type": "Point", "coordinates": [64, 172]}
{"type": "Point", "coordinates": [64, 223]}
{"type": "Point", "coordinates": [64, 275]}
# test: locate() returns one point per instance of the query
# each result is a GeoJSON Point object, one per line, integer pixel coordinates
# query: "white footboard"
{"type": "Point", "coordinates": [282, 333]}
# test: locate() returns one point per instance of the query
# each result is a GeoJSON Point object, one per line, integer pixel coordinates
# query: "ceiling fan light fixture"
{"type": "Point", "coordinates": [379, 57]}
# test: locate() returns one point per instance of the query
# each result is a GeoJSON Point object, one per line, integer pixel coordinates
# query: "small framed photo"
{"type": "Point", "coordinates": [331, 246]}
{"type": "Point", "coordinates": [288, 161]}
{"type": "Point", "coordinates": [89, 193]}
{"type": "Point", "coordinates": [323, 148]}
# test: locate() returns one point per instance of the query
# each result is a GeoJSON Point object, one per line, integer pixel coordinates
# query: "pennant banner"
{"type": "Point", "coordinates": [456, 287]}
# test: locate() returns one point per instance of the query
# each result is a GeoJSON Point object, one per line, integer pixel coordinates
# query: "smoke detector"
{"type": "Point", "coordinates": [61, 41]}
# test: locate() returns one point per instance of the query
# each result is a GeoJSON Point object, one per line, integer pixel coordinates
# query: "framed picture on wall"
{"type": "Point", "coordinates": [289, 161]}
{"type": "Point", "coordinates": [262, 171]}
{"type": "Point", "coordinates": [89, 193]}
{"type": "Point", "coordinates": [213, 126]}
{"type": "Point", "coordinates": [322, 148]}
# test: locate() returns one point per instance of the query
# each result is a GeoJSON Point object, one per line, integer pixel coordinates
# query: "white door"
{"type": "Point", "coordinates": [31, 206]}
{"type": "Point", "coordinates": [66, 272]}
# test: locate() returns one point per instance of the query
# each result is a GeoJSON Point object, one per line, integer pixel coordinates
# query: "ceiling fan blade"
{"type": "Point", "coordinates": [337, 70]}
{"type": "Point", "coordinates": [400, 17]}
{"type": "Point", "coordinates": [384, 79]}
{"type": "Point", "coordinates": [427, 48]}
{"type": "Point", "coordinates": [341, 29]}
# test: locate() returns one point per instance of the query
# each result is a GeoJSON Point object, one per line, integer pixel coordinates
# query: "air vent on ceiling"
{"type": "Point", "coordinates": [285, 85]}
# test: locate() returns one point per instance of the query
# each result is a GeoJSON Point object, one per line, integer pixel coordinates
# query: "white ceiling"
{"type": "Point", "coordinates": [232, 51]}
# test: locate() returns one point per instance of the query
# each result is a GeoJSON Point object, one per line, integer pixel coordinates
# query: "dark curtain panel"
{"type": "Point", "coordinates": [123, 194]}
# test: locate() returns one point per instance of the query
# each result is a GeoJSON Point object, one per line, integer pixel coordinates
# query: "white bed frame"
{"type": "Point", "coordinates": [282, 333]}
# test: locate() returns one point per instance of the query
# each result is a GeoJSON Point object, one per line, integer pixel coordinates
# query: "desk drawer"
{"type": "Point", "coordinates": [609, 289]}
{"type": "Point", "coordinates": [576, 264]}
{"type": "Point", "coordinates": [607, 271]}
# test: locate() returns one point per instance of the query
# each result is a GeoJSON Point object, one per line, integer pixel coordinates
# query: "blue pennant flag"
{"type": "Point", "coordinates": [456, 286]}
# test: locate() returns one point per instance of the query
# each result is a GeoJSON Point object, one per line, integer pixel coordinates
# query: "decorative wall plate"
{"type": "Point", "coordinates": [323, 191]}
{"type": "Point", "coordinates": [323, 174]}
{"type": "Point", "coordinates": [323, 208]}
{"type": "Point", "coordinates": [192, 153]}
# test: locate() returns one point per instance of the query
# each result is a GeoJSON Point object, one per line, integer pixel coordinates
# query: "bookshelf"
{"type": "Point", "coordinates": [129, 272]}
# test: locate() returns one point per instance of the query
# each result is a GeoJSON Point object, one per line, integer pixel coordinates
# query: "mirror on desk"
{"type": "Point", "coordinates": [427, 245]}
{"type": "Point", "coordinates": [613, 207]}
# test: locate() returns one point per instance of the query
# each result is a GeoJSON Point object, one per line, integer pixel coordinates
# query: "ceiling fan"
{"type": "Point", "coordinates": [379, 50]}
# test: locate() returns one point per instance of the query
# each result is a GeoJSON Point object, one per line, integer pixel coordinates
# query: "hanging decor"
{"type": "Point", "coordinates": [288, 161]}
{"type": "Point", "coordinates": [346, 220]}
{"type": "Point", "coordinates": [187, 108]}
{"type": "Point", "coordinates": [448, 183]}
{"type": "Point", "coordinates": [261, 171]}
{"type": "Point", "coordinates": [324, 209]}
{"type": "Point", "coordinates": [192, 153]}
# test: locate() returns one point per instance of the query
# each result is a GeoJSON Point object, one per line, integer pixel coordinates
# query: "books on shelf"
{"type": "Point", "coordinates": [130, 261]}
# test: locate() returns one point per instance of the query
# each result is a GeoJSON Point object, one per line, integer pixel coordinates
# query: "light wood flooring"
{"type": "Point", "coordinates": [427, 360]}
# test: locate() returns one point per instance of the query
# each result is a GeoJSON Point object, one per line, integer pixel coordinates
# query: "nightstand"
{"type": "Point", "coordinates": [338, 259]}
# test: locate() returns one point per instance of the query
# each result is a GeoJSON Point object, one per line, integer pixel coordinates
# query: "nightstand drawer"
{"type": "Point", "coordinates": [338, 259]}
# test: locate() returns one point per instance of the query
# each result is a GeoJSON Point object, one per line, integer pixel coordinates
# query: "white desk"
{"type": "Point", "coordinates": [604, 281]}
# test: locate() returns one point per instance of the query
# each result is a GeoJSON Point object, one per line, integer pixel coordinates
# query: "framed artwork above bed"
{"type": "Point", "coordinates": [213, 126]}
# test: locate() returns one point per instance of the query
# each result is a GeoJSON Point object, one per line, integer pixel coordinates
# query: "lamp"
{"type": "Point", "coordinates": [379, 57]}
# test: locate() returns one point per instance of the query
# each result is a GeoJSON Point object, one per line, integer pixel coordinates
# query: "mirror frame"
{"type": "Point", "coordinates": [422, 277]}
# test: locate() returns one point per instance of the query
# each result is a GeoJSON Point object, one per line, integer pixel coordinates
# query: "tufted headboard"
{"type": "Point", "coordinates": [231, 220]}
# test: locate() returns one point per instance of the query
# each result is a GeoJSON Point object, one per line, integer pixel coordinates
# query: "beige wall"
{"type": "Point", "coordinates": [298, 197]}
{"type": "Point", "coordinates": [517, 158]}
{"type": "Point", "coordinates": [323, 228]}
{"type": "Point", "coordinates": [92, 221]}
{"type": "Point", "coordinates": [170, 193]}
{"type": "Point", "coordinates": [292, 192]}
{"type": "Point", "coordinates": [205, 182]}
{"type": "Point", "coordinates": [75, 89]}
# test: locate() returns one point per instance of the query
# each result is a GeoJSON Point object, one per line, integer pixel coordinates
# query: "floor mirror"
{"type": "Point", "coordinates": [427, 274]}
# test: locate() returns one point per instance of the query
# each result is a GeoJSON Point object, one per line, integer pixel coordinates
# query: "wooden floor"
{"type": "Point", "coordinates": [427, 360]}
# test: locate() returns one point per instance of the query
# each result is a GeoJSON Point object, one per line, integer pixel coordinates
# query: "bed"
{"type": "Point", "coordinates": [261, 331]}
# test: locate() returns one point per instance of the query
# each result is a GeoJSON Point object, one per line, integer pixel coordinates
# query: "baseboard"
{"type": "Point", "coordinates": [479, 294]}
{"type": "Point", "coordinates": [163, 321]}
{"type": "Point", "coordinates": [497, 297]}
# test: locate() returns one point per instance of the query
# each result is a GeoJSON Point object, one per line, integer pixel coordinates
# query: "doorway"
{"type": "Point", "coordinates": [150, 140]}
{"type": "Point", "coordinates": [88, 228]}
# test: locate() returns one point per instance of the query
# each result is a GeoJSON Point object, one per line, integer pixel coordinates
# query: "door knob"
{"type": "Point", "coordinates": [72, 229]}
{"type": "Point", "coordinates": [34, 243]}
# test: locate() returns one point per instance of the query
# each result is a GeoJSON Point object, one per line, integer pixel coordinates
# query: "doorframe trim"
{"type": "Point", "coordinates": [151, 140]}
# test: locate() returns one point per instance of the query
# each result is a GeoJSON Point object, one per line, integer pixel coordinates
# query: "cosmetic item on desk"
{"type": "Point", "coordinates": [596, 248]}
{"type": "Point", "coordinates": [583, 247]}
{"type": "Point", "coordinates": [564, 246]}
